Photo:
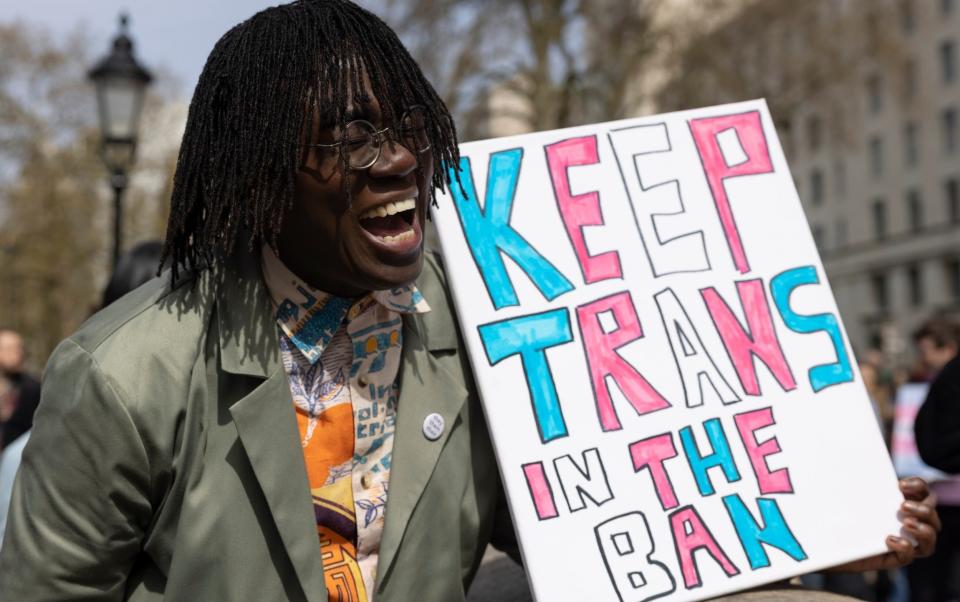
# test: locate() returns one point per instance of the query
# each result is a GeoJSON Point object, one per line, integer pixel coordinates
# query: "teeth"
{"type": "Point", "coordinates": [399, 237]}
{"type": "Point", "coordinates": [390, 209]}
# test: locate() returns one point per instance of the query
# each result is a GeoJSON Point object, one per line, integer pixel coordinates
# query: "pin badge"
{"type": "Point", "coordinates": [433, 426]}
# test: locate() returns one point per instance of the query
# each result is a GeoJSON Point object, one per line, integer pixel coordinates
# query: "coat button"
{"type": "Point", "coordinates": [366, 480]}
{"type": "Point", "coordinates": [433, 426]}
{"type": "Point", "coordinates": [363, 380]}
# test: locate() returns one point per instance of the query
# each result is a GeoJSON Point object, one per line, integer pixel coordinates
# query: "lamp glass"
{"type": "Point", "coordinates": [120, 100]}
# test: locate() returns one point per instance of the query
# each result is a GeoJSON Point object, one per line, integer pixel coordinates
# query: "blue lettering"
{"type": "Point", "coordinates": [530, 336]}
{"type": "Point", "coordinates": [781, 287]}
{"type": "Point", "coordinates": [488, 231]}
{"type": "Point", "coordinates": [774, 532]}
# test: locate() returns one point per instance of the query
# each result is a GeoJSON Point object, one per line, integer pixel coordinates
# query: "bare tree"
{"type": "Point", "coordinates": [565, 62]}
{"type": "Point", "coordinates": [53, 193]}
{"type": "Point", "coordinates": [794, 54]}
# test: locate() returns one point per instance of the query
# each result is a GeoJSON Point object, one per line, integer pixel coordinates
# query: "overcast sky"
{"type": "Point", "coordinates": [174, 34]}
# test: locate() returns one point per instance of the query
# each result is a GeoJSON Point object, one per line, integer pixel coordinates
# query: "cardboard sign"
{"type": "Point", "coordinates": [675, 406]}
{"type": "Point", "coordinates": [903, 445]}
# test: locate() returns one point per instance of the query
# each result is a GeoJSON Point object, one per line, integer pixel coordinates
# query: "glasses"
{"type": "Point", "coordinates": [360, 142]}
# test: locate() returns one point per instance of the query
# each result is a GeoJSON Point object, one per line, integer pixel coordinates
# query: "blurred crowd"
{"type": "Point", "coordinates": [903, 399]}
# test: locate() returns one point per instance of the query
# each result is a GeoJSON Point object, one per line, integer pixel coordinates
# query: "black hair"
{"type": "Point", "coordinates": [134, 267]}
{"type": "Point", "coordinates": [942, 330]}
{"type": "Point", "coordinates": [263, 85]}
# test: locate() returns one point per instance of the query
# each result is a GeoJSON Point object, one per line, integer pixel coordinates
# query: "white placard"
{"type": "Point", "coordinates": [675, 406]}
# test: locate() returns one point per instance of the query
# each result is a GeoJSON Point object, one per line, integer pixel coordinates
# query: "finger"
{"type": "Point", "coordinates": [902, 552]}
{"type": "Point", "coordinates": [914, 488]}
{"type": "Point", "coordinates": [924, 534]}
{"type": "Point", "coordinates": [922, 511]}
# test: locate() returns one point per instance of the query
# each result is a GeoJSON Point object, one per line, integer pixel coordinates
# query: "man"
{"type": "Point", "coordinates": [234, 434]}
{"type": "Point", "coordinates": [938, 423]}
{"type": "Point", "coordinates": [937, 429]}
{"type": "Point", "coordinates": [19, 392]}
{"type": "Point", "coordinates": [291, 417]}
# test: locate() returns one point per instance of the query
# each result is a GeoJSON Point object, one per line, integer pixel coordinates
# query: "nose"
{"type": "Point", "coordinates": [395, 160]}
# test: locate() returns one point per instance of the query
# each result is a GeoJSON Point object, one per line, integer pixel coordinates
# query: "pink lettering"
{"type": "Point", "coordinates": [749, 130]}
{"type": "Point", "coordinates": [747, 423]}
{"type": "Point", "coordinates": [540, 490]}
{"type": "Point", "coordinates": [651, 453]}
{"type": "Point", "coordinates": [603, 359]}
{"type": "Point", "coordinates": [580, 210]}
{"type": "Point", "coordinates": [759, 338]}
{"type": "Point", "coordinates": [691, 535]}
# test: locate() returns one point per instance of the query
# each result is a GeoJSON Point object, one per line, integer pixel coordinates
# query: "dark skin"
{"type": "Point", "coordinates": [323, 239]}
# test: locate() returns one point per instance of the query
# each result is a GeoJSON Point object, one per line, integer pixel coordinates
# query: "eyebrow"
{"type": "Point", "coordinates": [351, 113]}
{"type": "Point", "coordinates": [355, 112]}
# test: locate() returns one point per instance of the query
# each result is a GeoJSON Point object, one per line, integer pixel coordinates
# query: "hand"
{"type": "Point", "coordinates": [919, 517]}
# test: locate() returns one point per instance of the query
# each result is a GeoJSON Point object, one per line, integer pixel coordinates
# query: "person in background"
{"type": "Point", "coordinates": [879, 394]}
{"type": "Point", "coordinates": [937, 429]}
{"type": "Point", "coordinates": [135, 267]}
{"type": "Point", "coordinates": [938, 423]}
{"type": "Point", "coordinates": [19, 392]}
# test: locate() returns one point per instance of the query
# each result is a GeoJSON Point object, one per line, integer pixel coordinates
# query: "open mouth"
{"type": "Point", "coordinates": [391, 223]}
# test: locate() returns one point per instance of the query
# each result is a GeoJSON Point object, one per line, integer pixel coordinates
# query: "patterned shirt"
{"type": "Point", "coordinates": [342, 357]}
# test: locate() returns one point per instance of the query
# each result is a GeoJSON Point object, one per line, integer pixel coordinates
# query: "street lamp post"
{"type": "Point", "coordinates": [120, 82]}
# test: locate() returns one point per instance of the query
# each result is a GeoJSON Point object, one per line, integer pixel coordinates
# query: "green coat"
{"type": "Point", "coordinates": [165, 463]}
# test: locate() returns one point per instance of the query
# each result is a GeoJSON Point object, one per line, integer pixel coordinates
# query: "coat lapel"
{"type": "Point", "coordinates": [427, 386]}
{"type": "Point", "coordinates": [268, 431]}
{"type": "Point", "coordinates": [265, 418]}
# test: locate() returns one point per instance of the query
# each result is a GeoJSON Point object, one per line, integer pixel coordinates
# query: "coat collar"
{"type": "Point", "coordinates": [248, 332]}
{"type": "Point", "coordinates": [310, 317]}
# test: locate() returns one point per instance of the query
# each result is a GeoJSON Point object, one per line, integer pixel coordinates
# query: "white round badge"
{"type": "Point", "coordinates": [433, 426]}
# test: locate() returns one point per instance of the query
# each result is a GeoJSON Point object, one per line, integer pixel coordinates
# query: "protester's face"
{"type": "Point", "coordinates": [934, 357]}
{"type": "Point", "coordinates": [341, 245]}
{"type": "Point", "coordinates": [869, 374]}
{"type": "Point", "coordinates": [11, 352]}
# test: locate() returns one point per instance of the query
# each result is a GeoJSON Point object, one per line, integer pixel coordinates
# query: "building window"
{"type": "Point", "coordinates": [951, 190]}
{"type": "Point", "coordinates": [946, 6]}
{"type": "Point", "coordinates": [841, 234]}
{"type": "Point", "coordinates": [878, 287]}
{"type": "Point", "coordinates": [840, 178]}
{"type": "Point", "coordinates": [915, 282]}
{"type": "Point", "coordinates": [816, 187]}
{"type": "Point", "coordinates": [814, 133]}
{"type": "Point", "coordinates": [952, 269]}
{"type": "Point", "coordinates": [785, 131]}
{"type": "Point", "coordinates": [948, 61]}
{"type": "Point", "coordinates": [915, 210]}
{"type": "Point", "coordinates": [879, 209]}
{"type": "Point", "coordinates": [875, 149]}
{"type": "Point", "coordinates": [875, 93]}
{"type": "Point", "coordinates": [948, 124]}
{"type": "Point", "coordinates": [911, 79]}
{"type": "Point", "coordinates": [818, 237]}
{"type": "Point", "coordinates": [907, 16]}
{"type": "Point", "coordinates": [911, 144]}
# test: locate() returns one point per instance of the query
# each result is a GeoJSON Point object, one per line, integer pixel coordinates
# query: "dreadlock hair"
{"type": "Point", "coordinates": [263, 85]}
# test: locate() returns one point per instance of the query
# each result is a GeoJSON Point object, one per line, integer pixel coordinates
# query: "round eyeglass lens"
{"type": "Point", "coordinates": [358, 144]}
{"type": "Point", "coordinates": [413, 130]}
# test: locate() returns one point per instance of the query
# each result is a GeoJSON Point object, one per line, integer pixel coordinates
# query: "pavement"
{"type": "Point", "coordinates": [499, 580]}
